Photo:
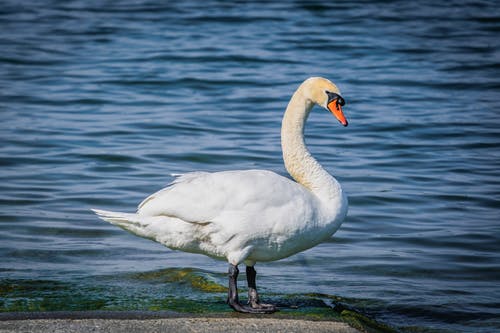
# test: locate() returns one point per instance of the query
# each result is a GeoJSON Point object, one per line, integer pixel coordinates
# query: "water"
{"type": "Point", "coordinates": [102, 101]}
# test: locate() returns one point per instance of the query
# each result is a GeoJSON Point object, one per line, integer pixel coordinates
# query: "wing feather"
{"type": "Point", "coordinates": [249, 196]}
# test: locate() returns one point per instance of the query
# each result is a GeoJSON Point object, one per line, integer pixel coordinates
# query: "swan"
{"type": "Point", "coordinates": [250, 216]}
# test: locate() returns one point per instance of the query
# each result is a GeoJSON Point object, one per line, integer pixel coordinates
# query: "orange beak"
{"type": "Point", "coordinates": [336, 109]}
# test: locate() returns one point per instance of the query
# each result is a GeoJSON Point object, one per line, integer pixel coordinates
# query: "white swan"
{"type": "Point", "coordinates": [251, 215]}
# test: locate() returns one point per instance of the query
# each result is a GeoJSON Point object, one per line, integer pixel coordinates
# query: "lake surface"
{"type": "Point", "coordinates": [101, 102]}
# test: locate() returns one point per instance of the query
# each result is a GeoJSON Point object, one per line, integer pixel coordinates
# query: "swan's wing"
{"type": "Point", "coordinates": [179, 178]}
{"type": "Point", "coordinates": [237, 195]}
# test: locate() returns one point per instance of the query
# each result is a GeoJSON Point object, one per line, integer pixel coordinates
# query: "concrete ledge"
{"type": "Point", "coordinates": [137, 322]}
{"type": "Point", "coordinates": [180, 325]}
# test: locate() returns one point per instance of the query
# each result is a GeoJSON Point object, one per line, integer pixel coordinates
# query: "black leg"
{"type": "Point", "coordinates": [232, 297]}
{"type": "Point", "coordinates": [253, 296]}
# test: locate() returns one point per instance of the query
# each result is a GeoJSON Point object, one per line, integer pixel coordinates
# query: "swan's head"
{"type": "Point", "coordinates": [326, 94]}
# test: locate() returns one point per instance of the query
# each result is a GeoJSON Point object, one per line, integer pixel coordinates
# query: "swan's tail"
{"type": "Point", "coordinates": [135, 223]}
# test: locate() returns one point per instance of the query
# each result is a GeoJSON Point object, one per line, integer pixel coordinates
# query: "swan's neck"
{"type": "Point", "coordinates": [299, 163]}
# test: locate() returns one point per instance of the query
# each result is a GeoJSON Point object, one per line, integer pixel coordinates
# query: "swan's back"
{"type": "Point", "coordinates": [202, 197]}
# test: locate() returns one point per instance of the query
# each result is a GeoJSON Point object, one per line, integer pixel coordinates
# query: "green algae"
{"type": "Point", "coordinates": [364, 323]}
{"type": "Point", "coordinates": [196, 279]}
{"type": "Point", "coordinates": [180, 290]}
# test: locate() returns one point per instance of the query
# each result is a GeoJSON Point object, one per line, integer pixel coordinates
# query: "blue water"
{"type": "Point", "coordinates": [102, 101]}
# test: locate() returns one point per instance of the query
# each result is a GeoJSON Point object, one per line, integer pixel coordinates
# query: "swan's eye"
{"type": "Point", "coordinates": [334, 96]}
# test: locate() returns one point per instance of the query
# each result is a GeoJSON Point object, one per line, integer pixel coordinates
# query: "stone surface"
{"type": "Point", "coordinates": [180, 325]}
